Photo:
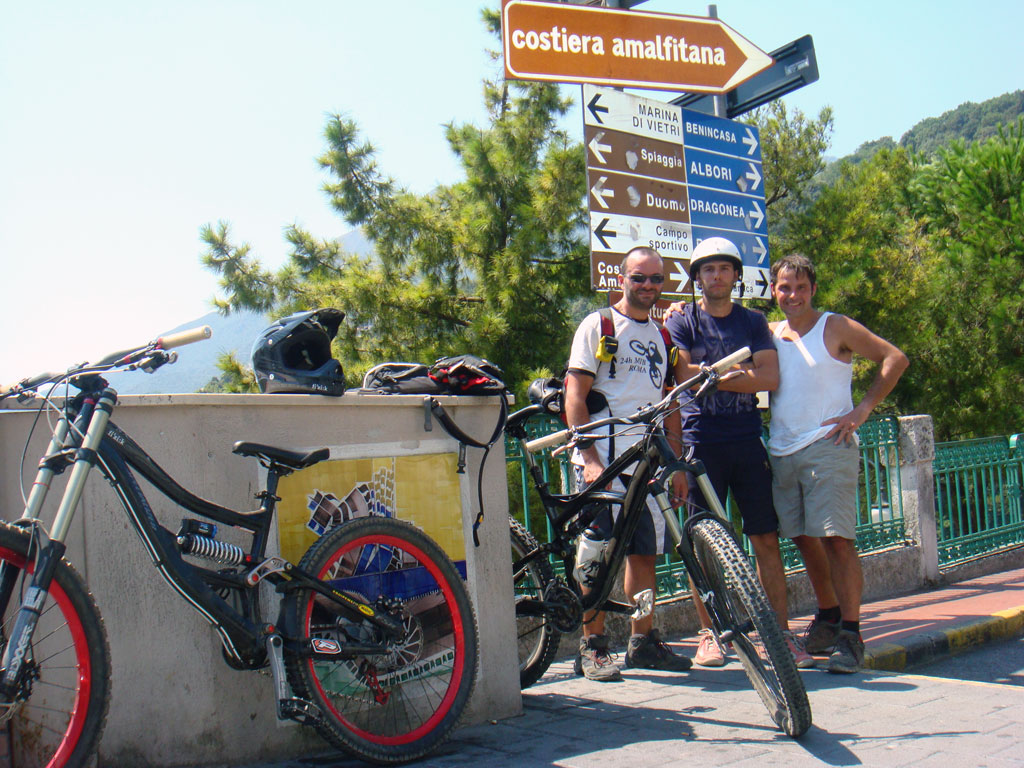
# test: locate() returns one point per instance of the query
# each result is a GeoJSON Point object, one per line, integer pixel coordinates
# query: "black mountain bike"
{"type": "Point", "coordinates": [548, 604]}
{"type": "Point", "coordinates": [374, 644]}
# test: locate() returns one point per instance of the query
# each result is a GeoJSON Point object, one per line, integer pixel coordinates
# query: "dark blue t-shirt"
{"type": "Point", "coordinates": [722, 416]}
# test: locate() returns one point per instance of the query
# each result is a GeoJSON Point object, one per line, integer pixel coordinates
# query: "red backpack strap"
{"type": "Point", "coordinates": [608, 345]}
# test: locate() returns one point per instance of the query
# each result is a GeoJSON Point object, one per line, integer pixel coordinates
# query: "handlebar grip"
{"type": "Point", "coordinates": [540, 443]}
{"type": "Point", "coordinates": [729, 361]}
{"type": "Point", "coordinates": [184, 337]}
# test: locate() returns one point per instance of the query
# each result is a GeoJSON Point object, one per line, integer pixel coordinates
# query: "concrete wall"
{"type": "Point", "coordinates": [174, 700]}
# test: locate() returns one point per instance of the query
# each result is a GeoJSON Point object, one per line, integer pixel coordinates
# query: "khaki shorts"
{"type": "Point", "coordinates": [815, 490]}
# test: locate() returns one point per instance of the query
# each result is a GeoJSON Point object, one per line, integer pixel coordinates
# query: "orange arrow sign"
{"type": "Point", "coordinates": [605, 46]}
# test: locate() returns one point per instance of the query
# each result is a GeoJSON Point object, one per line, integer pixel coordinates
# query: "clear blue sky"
{"type": "Point", "coordinates": [127, 125]}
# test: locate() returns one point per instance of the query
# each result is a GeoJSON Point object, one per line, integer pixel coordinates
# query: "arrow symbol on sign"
{"type": "Point", "coordinates": [679, 274]}
{"type": "Point", "coordinates": [600, 193]}
{"type": "Point", "coordinates": [762, 282]}
{"type": "Point", "coordinates": [749, 139]}
{"type": "Point", "coordinates": [602, 232]}
{"type": "Point", "coordinates": [758, 214]}
{"type": "Point", "coordinates": [594, 108]}
{"type": "Point", "coordinates": [597, 148]}
{"type": "Point", "coordinates": [754, 175]}
{"type": "Point", "coordinates": [760, 250]}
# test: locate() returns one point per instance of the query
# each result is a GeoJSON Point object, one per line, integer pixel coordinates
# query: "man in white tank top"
{"type": "Point", "coordinates": [814, 454]}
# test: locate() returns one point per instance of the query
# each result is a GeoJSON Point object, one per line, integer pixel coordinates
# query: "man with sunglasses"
{"type": "Point", "coordinates": [725, 428]}
{"type": "Point", "coordinates": [629, 376]}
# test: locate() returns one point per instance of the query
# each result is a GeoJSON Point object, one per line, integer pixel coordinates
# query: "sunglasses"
{"type": "Point", "coordinates": [641, 279]}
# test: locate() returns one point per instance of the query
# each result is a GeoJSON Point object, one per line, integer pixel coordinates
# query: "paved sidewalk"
{"type": "Point", "coordinates": [713, 717]}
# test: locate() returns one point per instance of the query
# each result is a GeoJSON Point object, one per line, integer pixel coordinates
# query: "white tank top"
{"type": "Point", "coordinates": [813, 387]}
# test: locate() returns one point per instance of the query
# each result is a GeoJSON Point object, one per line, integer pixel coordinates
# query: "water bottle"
{"type": "Point", "coordinates": [590, 549]}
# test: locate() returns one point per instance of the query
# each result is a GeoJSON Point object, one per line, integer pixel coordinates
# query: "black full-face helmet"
{"type": "Point", "coordinates": [294, 354]}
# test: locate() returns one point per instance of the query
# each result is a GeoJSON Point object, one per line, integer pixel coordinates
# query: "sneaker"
{"type": "Point", "coordinates": [594, 662]}
{"type": "Point", "coordinates": [650, 652]}
{"type": "Point", "coordinates": [848, 656]}
{"type": "Point", "coordinates": [709, 652]}
{"type": "Point", "coordinates": [803, 659]}
{"type": "Point", "coordinates": [820, 636]}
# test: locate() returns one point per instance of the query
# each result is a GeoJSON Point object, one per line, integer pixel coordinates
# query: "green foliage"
{"type": "Point", "coordinates": [235, 377]}
{"type": "Point", "coordinates": [792, 152]}
{"type": "Point", "coordinates": [931, 257]}
{"type": "Point", "coordinates": [969, 122]}
{"type": "Point", "coordinates": [971, 203]}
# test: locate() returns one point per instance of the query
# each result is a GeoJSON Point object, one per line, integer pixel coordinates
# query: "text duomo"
{"type": "Point", "coordinates": [667, 48]}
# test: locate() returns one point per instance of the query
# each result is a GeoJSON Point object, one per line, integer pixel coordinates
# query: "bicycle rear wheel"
{"type": "Point", "coordinates": [537, 639]}
{"type": "Point", "coordinates": [400, 705]}
{"type": "Point", "coordinates": [58, 716]}
{"type": "Point", "coordinates": [740, 606]}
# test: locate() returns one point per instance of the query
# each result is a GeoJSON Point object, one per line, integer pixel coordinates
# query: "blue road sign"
{"type": "Point", "coordinates": [716, 134]}
{"type": "Point", "coordinates": [722, 210]}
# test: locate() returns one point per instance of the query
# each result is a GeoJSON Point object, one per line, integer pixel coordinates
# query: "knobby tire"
{"type": "Point", "coordinates": [740, 605]}
{"type": "Point", "coordinates": [58, 719]}
{"type": "Point", "coordinates": [398, 706]}
{"type": "Point", "coordinates": [536, 638]}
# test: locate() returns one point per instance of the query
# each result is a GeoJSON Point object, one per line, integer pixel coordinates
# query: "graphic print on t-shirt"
{"type": "Point", "coordinates": [655, 362]}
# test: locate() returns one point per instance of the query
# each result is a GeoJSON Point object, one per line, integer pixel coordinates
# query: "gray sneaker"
{"type": "Point", "coordinates": [848, 657]}
{"type": "Point", "coordinates": [594, 661]}
{"type": "Point", "coordinates": [650, 652]}
{"type": "Point", "coordinates": [820, 636]}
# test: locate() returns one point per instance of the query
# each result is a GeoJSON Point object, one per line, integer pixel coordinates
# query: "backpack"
{"type": "Point", "coordinates": [458, 375]}
{"type": "Point", "coordinates": [550, 392]}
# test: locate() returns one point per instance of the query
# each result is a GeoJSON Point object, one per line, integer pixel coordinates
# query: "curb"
{"type": "Point", "coordinates": [930, 646]}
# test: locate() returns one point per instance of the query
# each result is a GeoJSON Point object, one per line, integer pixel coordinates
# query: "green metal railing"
{"type": "Point", "coordinates": [978, 496]}
{"type": "Point", "coordinates": [879, 500]}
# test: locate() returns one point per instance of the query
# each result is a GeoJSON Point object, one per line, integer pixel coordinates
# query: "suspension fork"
{"type": "Point", "coordinates": [17, 648]}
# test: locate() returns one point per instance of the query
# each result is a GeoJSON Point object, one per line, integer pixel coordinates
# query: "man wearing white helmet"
{"type": "Point", "coordinates": [725, 428]}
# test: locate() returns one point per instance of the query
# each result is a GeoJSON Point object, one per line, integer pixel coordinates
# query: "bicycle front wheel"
{"type": "Point", "coordinates": [741, 608]}
{"type": "Point", "coordinates": [57, 717]}
{"type": "Point", "coordinates": [398, 705]}
{"type": "Point", "coordinates": [537, 639]}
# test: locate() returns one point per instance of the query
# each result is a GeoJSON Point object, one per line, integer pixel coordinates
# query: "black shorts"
{"type": "Point", "coordinates": [741, 467]}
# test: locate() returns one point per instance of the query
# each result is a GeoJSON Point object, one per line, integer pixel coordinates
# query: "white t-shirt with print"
{"type": "Point", "coordinates": [640, 365]}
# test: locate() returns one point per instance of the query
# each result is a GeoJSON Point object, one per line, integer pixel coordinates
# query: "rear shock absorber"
{"type": "Point", "coordinates": [198, 539]}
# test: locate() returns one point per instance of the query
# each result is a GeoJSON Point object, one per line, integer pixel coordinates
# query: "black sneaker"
{"type": "Point", "coordinates": [650, 652]}
{"type": "Point", "coordinates": [848, 657]}
{"type": "Point", "coordinates": [820, 636]}
{"type": "Point", "coordinates": [594, 662]}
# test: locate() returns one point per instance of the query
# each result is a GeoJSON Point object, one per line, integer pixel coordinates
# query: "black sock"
{"type": "Point", "coordinates": [831, 615]}
{"type": "Point", "coordinates": [851, 626]}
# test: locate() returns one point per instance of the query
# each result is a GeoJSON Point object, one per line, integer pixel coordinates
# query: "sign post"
{"type": "Point", "coordinates": [664, 177]}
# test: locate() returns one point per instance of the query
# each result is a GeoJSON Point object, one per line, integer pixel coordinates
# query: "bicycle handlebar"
{"type": "Point", "coordinates": [182, 338]}
{"type": "Point", "coordinates": [718, 368]}
{"type": "Point", "coordinates": [126, 357]}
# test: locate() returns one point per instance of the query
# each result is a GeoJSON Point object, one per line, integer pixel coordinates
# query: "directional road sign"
{"type": "Point", "coordinates": [608, 46]}
{"type": "Point", "coordinates": [795, 66]}
{"type": "Point", "coordinates": [665, 177]}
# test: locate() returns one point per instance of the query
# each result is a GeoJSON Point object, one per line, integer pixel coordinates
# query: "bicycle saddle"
{"type": "Point", "coordinates": [293, 460]}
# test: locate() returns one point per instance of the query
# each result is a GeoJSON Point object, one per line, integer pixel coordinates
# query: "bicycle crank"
{"type": "Point", "coordinates": [562, 607]}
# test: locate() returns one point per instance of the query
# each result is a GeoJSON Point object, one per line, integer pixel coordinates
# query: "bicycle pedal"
{"type": "Point", "coordinates": [299, 710]}
{"type": "Point", "coordinates": [644, 601]}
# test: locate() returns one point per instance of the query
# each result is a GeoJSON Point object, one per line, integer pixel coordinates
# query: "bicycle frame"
{"type": "Point", "coordinates": [651, 461]}
{"type": "Point", "coordinates": [85, 437]}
